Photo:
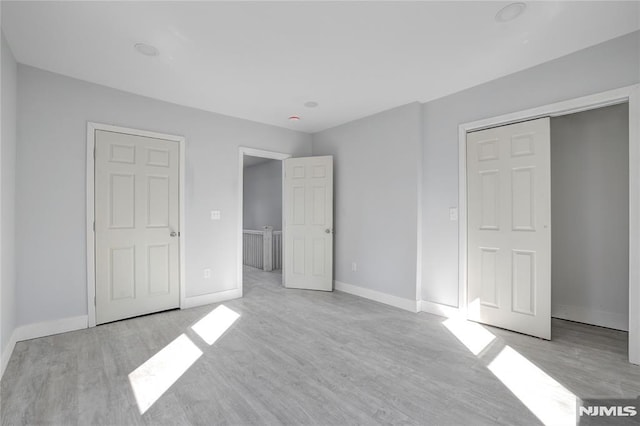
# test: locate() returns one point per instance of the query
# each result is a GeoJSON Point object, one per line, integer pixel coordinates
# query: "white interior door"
{"type": "Point", "coordinates": [136, 225]}
{"type": "Point", "coordinates": [509, 235]}
{"type": "Point", "coordinates": [308, 223]}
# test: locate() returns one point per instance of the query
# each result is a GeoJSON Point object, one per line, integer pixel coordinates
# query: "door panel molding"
{"type": "Point", "coordinates": [630, 94]}
{"type": "Point", "coordinates": [308, 223]}
{"type": "Point", "coordinates": [125, 157]}
{"type": "Point", "coordinates": [510, 286]}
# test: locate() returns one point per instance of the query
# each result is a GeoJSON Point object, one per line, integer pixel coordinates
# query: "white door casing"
{"type": "Point", "coordinates": [509, 235]}
{"type": "Point", "coordinates": [137, 225]}
{"type": "Point", "coordinates": [308, 223]}
{"type": "Point", "coordinates": [630, 94]}
{"type": "Point", "coordinates": [244, 151]}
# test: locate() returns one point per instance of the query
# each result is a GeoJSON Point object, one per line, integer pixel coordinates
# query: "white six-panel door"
{"type": "Point", "coordinates": [509, 235]}
{"type": "Point", "coordinates": [136, 225]}
{"type": "Point", "coordinates": [308, 223]}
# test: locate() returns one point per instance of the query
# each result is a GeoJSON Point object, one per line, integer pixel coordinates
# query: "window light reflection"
{"type": "Point", "coordinates": [215, 324]}
{"type": "Point", "coordinates": [547, 399]}
{"type": "Point", "coordinates": [474, 336]}
{"type": "Point", "coordinates": [153, 378]}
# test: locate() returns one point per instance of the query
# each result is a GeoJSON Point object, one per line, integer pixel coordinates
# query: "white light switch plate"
{"type": "Point", "coordinates": [453, 213]}
{"type": "Point", "coordinates": [215, 214]}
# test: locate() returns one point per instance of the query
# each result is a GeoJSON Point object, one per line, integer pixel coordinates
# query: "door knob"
{"type": "Point", "coordinates": [327, 231]}
{"type": "Point", "coordinates": [173, 234]}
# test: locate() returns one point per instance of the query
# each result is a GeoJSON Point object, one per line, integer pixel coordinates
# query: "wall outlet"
{"type": "Point", "coordinates": [215, 214]}
{"type": "Point", "coordinates": [354, 266]}
{"type": "Point", "coordinates": [453, 213]}
{"type": "Point", "coordinates": [207, 273]}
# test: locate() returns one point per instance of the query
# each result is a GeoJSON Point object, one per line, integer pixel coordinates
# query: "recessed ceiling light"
{"type": "Point", "coordinates": [510, 12]}
{"type": "Point", "coordinates": [146, 49]}
{"type": "Point", "coordinates": [294, 118]}
{"type": "Point", "coordinates": [311, 104]}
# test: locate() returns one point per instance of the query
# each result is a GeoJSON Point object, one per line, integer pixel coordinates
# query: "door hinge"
{"type": "Point", "coordinates": [94, 226]}
{"type": "Point", "coordinates": [94, 301]}
{"type": "Point", "coordinates": [94, 153]}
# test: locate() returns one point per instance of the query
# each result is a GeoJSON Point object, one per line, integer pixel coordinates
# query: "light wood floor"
{"type": "Point", "coordinates": [303, 357]}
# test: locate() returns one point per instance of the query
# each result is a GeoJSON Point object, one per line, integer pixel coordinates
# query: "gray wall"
{"type": "Point", "coordinates": [53, 111]}
{"type": "Point", "coordinates": [376, 206]}
{"type": "Point", "coordinates": [262, 202]}
{"type": "Point", "coordinates": [590, 216]}
{"type": "Point", "coordinates": [610, 65]}
{"type": "Point", "coordinates": [7, 213]}
{"type": "Point", "coordinates": [379, 160]}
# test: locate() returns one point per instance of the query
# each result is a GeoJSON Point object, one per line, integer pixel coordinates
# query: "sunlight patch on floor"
{"type": "Point", "coordinates": [215, 324]}
{"type": "Point", "coordinates": [153, 378]}
{"type": "Point", "coordinates": [474, 336]}
{"type": "Point", "coordinates": [547, 399]}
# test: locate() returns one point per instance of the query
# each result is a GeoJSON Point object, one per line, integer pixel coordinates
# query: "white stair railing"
{"type": "Point", "coordinates": [262, 249]}
{"type": "Point", "coordinates": [252, 248]}
{"type": "Point", "coordinates": [277, 250]}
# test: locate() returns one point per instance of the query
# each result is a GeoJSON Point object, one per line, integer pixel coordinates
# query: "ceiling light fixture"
{"type": "Point", "coordinates": [146, 49]}
{"type": "Point", "coordinates": [311, 104]}
{"type": "Point", "coordinates": [294, 118]}
{"type": "Point", "coordinates": [510, 12]}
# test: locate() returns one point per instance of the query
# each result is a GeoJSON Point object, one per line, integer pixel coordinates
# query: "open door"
{"type": "Point", "coordinates": [308, 223]}
{"type": "Point", "coordinates": [509, 220]}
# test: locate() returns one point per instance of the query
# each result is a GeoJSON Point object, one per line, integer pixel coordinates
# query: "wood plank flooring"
{"type": "Point", "coordinates": [302, 358]}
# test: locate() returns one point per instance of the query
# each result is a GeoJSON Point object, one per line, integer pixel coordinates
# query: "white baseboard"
{"type": "Point", "coordinates": [607, 319]}
{"type": "Point", "coordinates": [41, 329]}
{"type": "Point", "coordinates": [6, 354]}
{"type": "Point", "coordinates": [440, 309]}
{"type": "Point", "coordinates": [387, 299]}
{"type": "Point", "coordinates": [208, 299]}
{"type": "Point", "coordinates": [48, 328]}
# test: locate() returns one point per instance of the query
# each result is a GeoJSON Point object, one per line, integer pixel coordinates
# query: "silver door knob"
{"type": "Point", "coordinates": [173, 234]}
{"type": "Point", "coordinates": [327, 231]}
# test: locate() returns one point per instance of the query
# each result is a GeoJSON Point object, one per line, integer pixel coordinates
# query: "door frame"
{"type": "Point", "coordinates": [90, 203]}
{"type": "Point", "coordinates": [253, 152]}
{"type": "Point", "coordinates": [630, 94]}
